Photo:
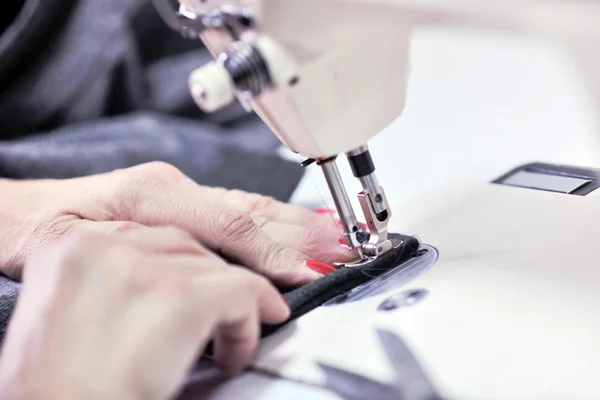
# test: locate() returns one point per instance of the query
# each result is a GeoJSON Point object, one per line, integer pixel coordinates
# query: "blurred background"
{"type": "Point", "coordinates": [89, 86]}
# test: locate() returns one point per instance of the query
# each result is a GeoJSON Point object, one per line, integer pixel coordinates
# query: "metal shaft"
{"type": "Point", "coordinates": [363, 168]}
{"type": "Point", "coordinates": [342, 203]}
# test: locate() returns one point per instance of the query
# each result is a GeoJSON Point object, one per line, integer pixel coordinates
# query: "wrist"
{"type": "Point", "coordinates": [20, 206]}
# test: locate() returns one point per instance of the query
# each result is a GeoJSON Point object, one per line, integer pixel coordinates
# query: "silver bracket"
{"type": "Point", "coordinates": [378, 241]}
{"type": "Point", "coordinates": [234, 19]}
{"type": "Point", "coordinates": [368, 259]}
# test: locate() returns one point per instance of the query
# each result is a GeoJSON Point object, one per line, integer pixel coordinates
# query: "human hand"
{"type": "Point", "coordinates": [267, 236]}
{"type": "Point", "coordinates": [125, 316]}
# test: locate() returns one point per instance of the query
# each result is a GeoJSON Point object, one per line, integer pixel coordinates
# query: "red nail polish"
{"type": "Point", "coordinates": [319, 267]}
{"type": "Point", "coordinates": [324, 211]}
{"type": "Point", "coordinates": [284, 299]}
{"type": "Point", "coordinates": [342, 241]}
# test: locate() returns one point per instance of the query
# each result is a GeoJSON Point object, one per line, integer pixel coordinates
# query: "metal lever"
{"type": "Point", "coordinates": [372, 201]}
{"type": "Point", "coordinates": [352, 230]}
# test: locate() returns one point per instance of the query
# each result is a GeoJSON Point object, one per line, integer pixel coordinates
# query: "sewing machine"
{"type": "Point", "coordinates": [313, 85]}
{"type": "Point", "coordinates": [324, 77]}
{"type": "Point", "coordinates": [327, 76]}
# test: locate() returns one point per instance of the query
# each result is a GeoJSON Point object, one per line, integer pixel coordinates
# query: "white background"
{"type": "Point", "coordinates": [479, 104]}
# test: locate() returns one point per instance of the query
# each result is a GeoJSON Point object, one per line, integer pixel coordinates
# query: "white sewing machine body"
{"type": "Point", "coordinates": [339, 69]}
{"type": "Point", "coordinates": [511, 310]}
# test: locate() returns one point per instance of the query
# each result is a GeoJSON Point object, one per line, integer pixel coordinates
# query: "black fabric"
{"type": "Point", "coordinates": [319, 292]}
{"type": "Point", "coordinates": [312, 295]}
{"type": "Point", "coordinates": [8, 13]}
{"type": "Point", "coordinates": [27, 28]}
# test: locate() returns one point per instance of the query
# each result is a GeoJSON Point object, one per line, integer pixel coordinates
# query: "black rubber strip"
{"type": "Point", "coordinates": [319, 292]}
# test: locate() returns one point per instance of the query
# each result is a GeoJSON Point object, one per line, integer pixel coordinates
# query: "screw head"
{"type": "Point", "coordinates": [404, 299]}
{"type": "Point", "coordinates": [378, 198]}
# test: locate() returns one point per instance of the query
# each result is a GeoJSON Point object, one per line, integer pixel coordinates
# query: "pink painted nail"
{"type": "Point", "coordinates": [324, 211]}
{"type": "Point", "coordinates": [319, 267]}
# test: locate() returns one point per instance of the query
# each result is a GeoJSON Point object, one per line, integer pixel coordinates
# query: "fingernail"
{"type": "Point", "coordinates": [342, 241]}
{"type": "Point", "coordinates": [324, 211]}
{"type": "Point", "coordinates": [284, 300]}
{"type": "Point", "coordinates": [319, 267]}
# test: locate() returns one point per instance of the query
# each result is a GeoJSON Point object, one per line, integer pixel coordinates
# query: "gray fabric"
{"type": "Point", "coordinates": [241, 159]}
{"type": "Point", "coordinates": [89, 86]}
{"type": "Point", "coordinates": [9, 292]}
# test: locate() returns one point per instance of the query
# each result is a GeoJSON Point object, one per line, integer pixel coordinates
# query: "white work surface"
{"type": "Point", "coordinates": [478, 105]}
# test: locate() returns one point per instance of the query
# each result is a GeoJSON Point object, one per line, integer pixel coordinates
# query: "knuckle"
{"type": "Point", "coordinates": [77, 249]}
{"type": "Point", "coordinates": [235, 224]}
{"type": "Point", "coordinates": [251, 202]}
{"type": "Point", "coordinates": [279, 257]}
{"type": "Point", "coordinates": [259, 282]}
{"type": "Point", "coordinates": [313, 239]}
{"type": "Point", "coordinates": [177, 233]}
{"type": "Point", "coordinates": [129, 186]}
{"type": "Point", "coordinates": [218, 191]}
{"type": "Point", "coordinates": [149, 279]}
{"type": "Point", "coordinates": [266, 203]}
{"type": "Point", "coordinates": [259, 220]}
{"type": "Point", "coordinates": [161, 169]}
{"type": "Point", "coordinates": [154, 174]}
{"type": "Point", "coordinates": [185, 241]}
{"type": "Point", "coordinates": [250, 282]}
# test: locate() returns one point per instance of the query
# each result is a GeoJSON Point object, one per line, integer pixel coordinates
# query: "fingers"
{"type": "Point", "coordinates": [238, 299]}
{"type": "Point", "coordinates": [167, 198]}
{"type": "Point", "coordinates": [142, 315]}
{"type": "Point", "coordinates": [237, 236]}
{"type": "Point", "coordinates": [235, 343]}
{"type": "Point", "coordinates": [157, 195]}
{"type": "Point", "coordinates": [319, 244]}
{"type": "Point", "coordinates": [313, 234]}
{"type": "Point", "coordinates": [277, 211]}
{"type": "Point", "coordinates": [163, 240]}
{"type": "Point", "coordinates": [237, 335]}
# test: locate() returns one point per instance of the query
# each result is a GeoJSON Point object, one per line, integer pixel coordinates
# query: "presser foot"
{"type": "Point", "coordinates": [371, 252]}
